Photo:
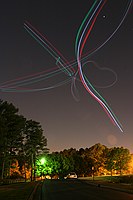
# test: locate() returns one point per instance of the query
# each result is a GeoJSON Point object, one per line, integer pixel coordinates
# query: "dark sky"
{"type": "Point", "coordinates": [66, 122]}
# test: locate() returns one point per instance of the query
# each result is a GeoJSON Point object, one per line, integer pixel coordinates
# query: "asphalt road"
{"type": "Point", "coordinates": [77, 190]}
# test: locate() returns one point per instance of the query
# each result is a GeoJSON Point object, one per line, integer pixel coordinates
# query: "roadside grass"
{"type": "Point", "coordinates": [16, 191]}
{"type": "Point", "coordinates": [115, 179]}
{"type": "Point", "coordinates": [124, 182]}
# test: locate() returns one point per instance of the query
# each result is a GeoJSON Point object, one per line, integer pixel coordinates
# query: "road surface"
{"type": "Point", "coordinates": [77, 190]}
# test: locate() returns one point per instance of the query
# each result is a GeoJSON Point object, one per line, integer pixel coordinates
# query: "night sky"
{"type": "Point", "coordinates": [66, 122]}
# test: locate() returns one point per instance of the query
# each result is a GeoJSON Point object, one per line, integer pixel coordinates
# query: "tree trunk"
{"type": "Point", "coordinates": [34, 168]}
{"type": "Point", "coordinates": [25, 172]}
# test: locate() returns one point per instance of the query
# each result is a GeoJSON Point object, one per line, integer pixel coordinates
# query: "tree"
{"type": "Point", "coordinates": [57, 164]}
{"type": "Point", "coordinates": [110, 162]}
{"type": "Point", "coordinates": [20, 139]}
{"type": "Point", "coordinates": [118, 159]}
{"type": "Point", "coordinates": [121, 158]}
{"type": "Point", "coordinates": [11, 131]}
{"type": "Point", "coordinates": [96, 156]}
{"type": "Point", "coordinates": [35, 142]}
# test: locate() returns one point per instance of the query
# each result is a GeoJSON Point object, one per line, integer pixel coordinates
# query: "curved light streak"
{"type": "Point", "coordinates": [79, 55]}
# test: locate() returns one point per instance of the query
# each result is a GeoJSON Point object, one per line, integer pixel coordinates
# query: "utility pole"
{"type": "Point", "coordinates": [93, 173]}
{"type": "Point", "coordinates": [31, 167]}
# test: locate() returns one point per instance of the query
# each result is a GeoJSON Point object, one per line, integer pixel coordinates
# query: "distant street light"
{"type": "Point", "coordinates": [43, 160]}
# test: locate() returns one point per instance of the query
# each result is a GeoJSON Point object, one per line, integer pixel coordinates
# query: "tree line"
{"type": "Point", "coordinates": [98, 160]}
{"type": "Point", "coordinates": [20, 139]}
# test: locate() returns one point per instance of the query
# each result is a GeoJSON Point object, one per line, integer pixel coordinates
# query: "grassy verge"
{"type": "Point", "coordinates": [127, 179]}
{"type": "Point", "coordinates": [122, 182]}
{"type": "Point", "coordinates": [16, 191]}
